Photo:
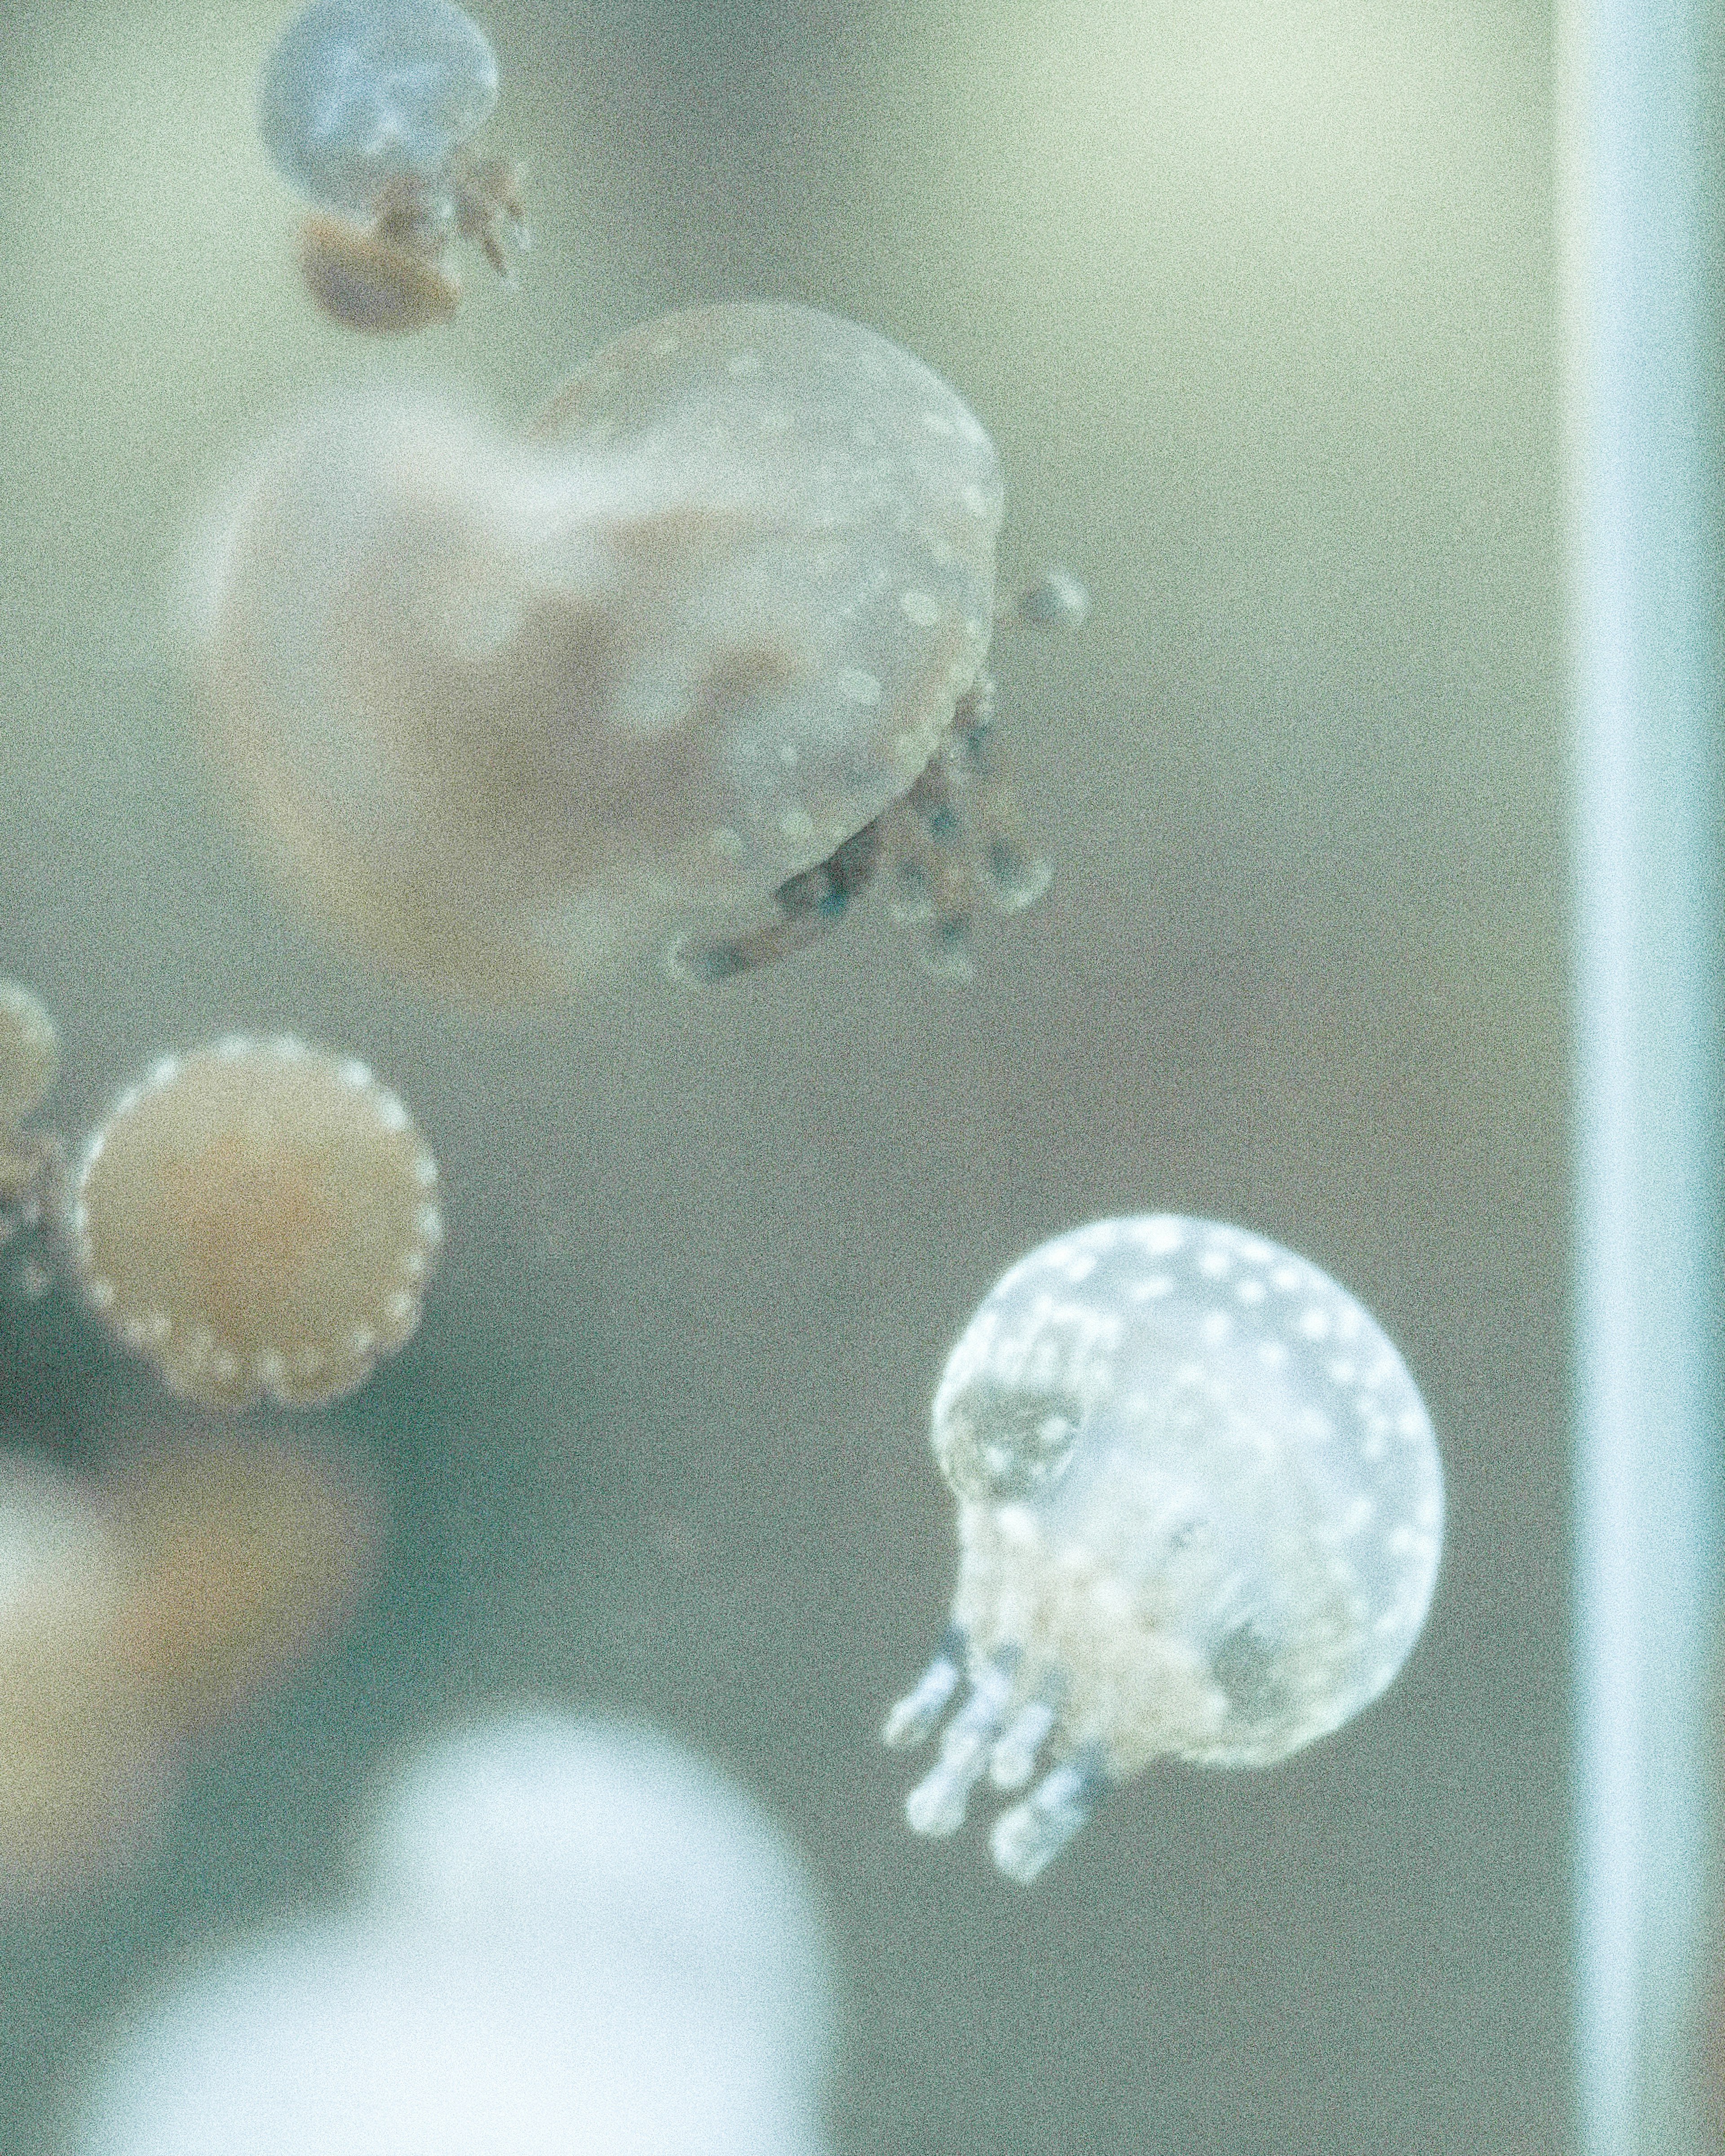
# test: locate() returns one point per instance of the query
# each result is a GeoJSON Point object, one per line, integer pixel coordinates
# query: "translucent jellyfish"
{"type": "Point", "coordinates": [29, 1063]}
{"type": "Point", "coordinates": [711, 642]}
{"type": "Point", "coordinates": [366, 108]}
{"type": "Point", "coordinates": [258, 1217]}
{"type": "Point", "coordinates": [1200, 1510]}
{"type": "Point", "coordinates": [453, 2011]}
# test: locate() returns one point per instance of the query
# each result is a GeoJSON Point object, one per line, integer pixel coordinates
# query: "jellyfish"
{"type": "Point", "coordinates": [259, 1219]}
{"type": "Point", "coordinates": [710, 643]}
{"type": "Point", "coordinates": [1200, 1510]}
{"type": "Point", "coordinates": [366, 108]}
{"type": "Point", "coordinates": [29, 1063]}
{"type": "Point", "coordinates": [83, 1768]}
{"type": "Point", "coordinates": [636, 2007]}
{"type": "Point", "coordinates": [606, 1844]}
{"type": "Point", "coordinates": [138, 1605]}
{"type": "Point", "coordinates": [239, 1552]}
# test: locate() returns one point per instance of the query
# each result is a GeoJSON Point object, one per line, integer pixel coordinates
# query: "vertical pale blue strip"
{"type": "Point", "coordinates": [1641, 236]}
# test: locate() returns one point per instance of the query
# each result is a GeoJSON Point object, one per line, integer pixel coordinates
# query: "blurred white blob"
{"type": "Point", "coordinates": [581, 1938]}
{"type": "Point", "coordinates": [607, 1841]}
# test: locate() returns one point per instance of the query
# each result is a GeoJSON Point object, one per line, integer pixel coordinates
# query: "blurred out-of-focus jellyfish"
{"type": "Point", "coordinates": [1200, 1510]}
{"type": "Point", "coordinates": [607, 1843]}
{"type": "Point", "coordinates": [259, 1219]}
{"type": "Point", "coordinates": [241, 1552]}
{"type": "Point", "coordinates": [711, 643]}
{"type": "Point", "coordinates": [83, 1772]}
{"type": "Point", "coordinates": [135, 1608]}
{"type": "Point", "coordinates": [366, 108]}
{"type": "Point", "coordinates": [454, 2011]}
{"type": "Point", "coordinates": [29, 1063]}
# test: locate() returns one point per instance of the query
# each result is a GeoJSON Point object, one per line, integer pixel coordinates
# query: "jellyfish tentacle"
{"type": "Point", "coordinates": [808, 905]}
{"type": "Point", "coordinates": [915, 1717]}
{"type": "Point", "coordinates": [1026, 1839]}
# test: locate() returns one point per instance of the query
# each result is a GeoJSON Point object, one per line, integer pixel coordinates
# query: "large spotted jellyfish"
{"type": "Point", "coordinates": [576, 1937]}
{"type": "Point", "coordinates": [1200, 1510]}
{"type": "Point", "coordinates": [711, 643]}
{"type": "Point", "coordinates": [366, 108]}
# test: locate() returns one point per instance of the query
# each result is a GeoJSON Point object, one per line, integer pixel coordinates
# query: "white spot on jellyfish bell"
{"type": "Point", "coordinates": [493, 706]}
{"type": "Point", "coordinates": [1178, 1537]}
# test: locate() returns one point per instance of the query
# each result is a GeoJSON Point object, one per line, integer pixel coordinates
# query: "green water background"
{"type": "Point", "coordinates": [1258, 302]}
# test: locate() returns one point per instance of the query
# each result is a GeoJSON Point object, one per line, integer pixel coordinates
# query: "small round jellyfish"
{"type": "Point", "coordinates": [1200, 1510]}
{"type": "Point", "coordinates": [258, 1217]}
{"type": "Point", "coordinates": [366, 107]}
{"type": "Point", "coordinates": [29, 1063]}
{"type": "Point", "coordinates": [712, 641]}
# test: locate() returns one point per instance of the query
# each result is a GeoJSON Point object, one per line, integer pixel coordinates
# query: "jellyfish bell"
{"type": "Point", "coordinates": [580, 1840]}
{"type": "Point", "coordinates": [366, 107]}
{"type": "Point", "coordinates": [709, 643]}
{"type": "Point", "coordinates": [258, 1219]}
{"type": "Point", "coordinates": [354, 2037]}
{"type": "Point", "coordinates": [241, 1552]}
{"type": "Point", "coordinates": [574, 1934]}
{"type": "Point", "coordinates": [1200, 1511]}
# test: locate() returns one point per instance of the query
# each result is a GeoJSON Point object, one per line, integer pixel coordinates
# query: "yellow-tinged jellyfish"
{"type": "Point", "coordinates": [258, 1217]}
{"type": "Point", "coordinates": [1200, 1511]}
{"type": "Point", "coordinates": [711, 642]}
{"type": "Point", "coordinates": [366, 108]}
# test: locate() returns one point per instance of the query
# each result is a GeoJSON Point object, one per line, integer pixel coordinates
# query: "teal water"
{"type": "Point", "coordinates": [1258, 306]}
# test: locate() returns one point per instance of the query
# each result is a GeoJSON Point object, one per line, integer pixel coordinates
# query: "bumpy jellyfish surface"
{"type": "Point", "coordinates": [259, 1219]}
{"type": "Point", "coordinates": [29, 1063]}
{"type": "Point", "coordinates": [1200, 1510]}
{"type": "Point", "coordinates": [711, 644]}
{"type": "Point", "coordinates": [366, 107]}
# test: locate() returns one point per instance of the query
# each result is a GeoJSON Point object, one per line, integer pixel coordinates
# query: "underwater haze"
{"type": "Point", "coordinates": [1258, 305]}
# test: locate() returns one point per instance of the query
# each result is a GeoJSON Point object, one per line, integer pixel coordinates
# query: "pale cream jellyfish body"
{"type": "Point", "coordinates": [258, 1217]}
{"type": "Point", "coordinates": [1200, 1510]}
{"type": "Point", "coordinates": [711, 643]}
